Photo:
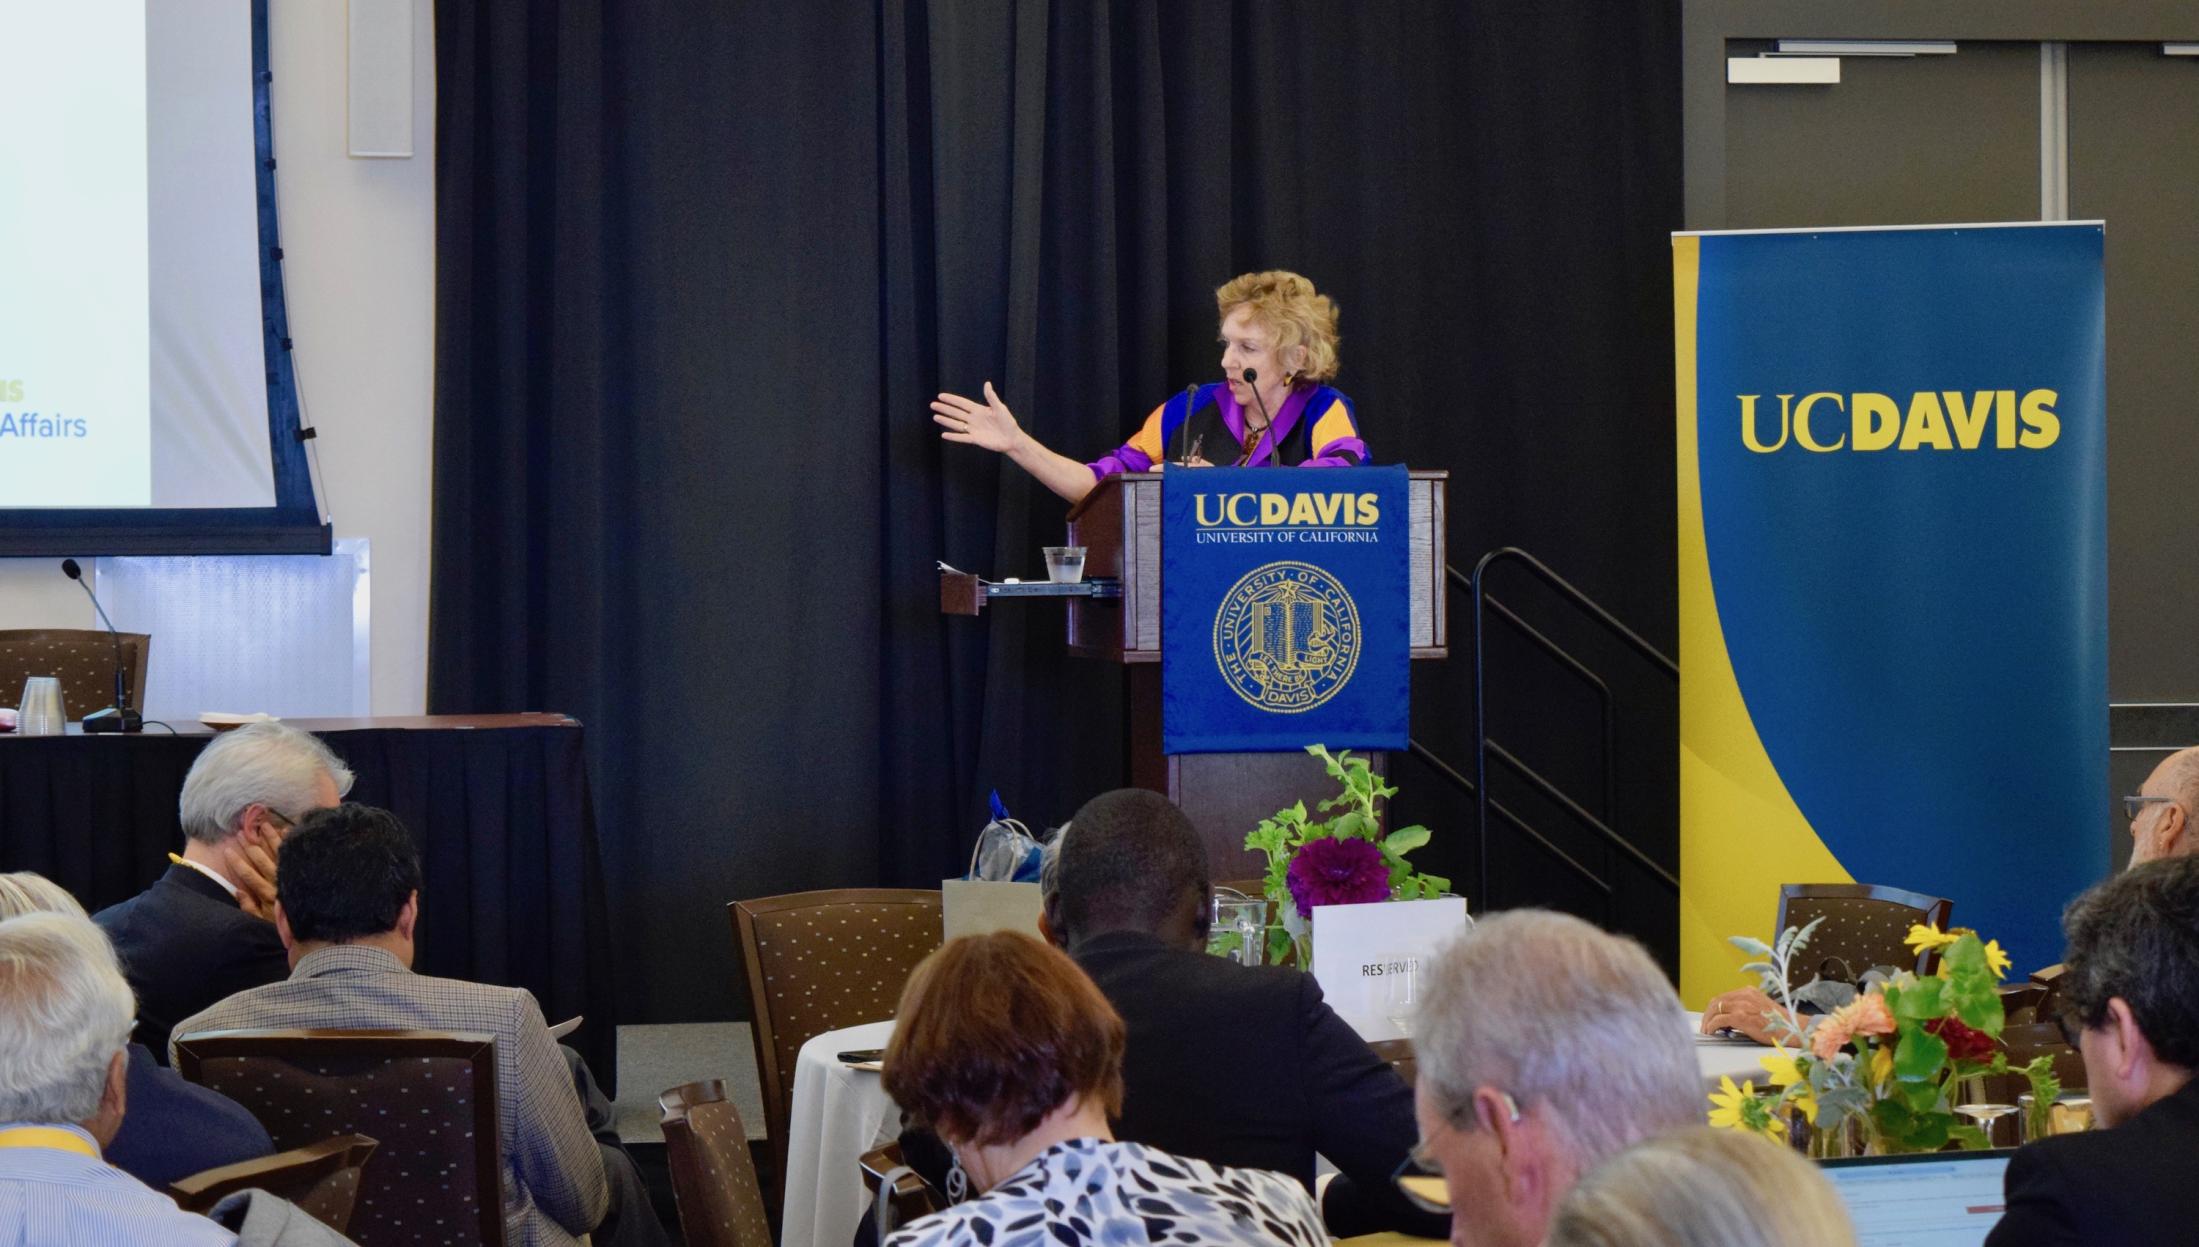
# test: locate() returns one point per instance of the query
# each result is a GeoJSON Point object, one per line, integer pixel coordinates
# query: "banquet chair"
{"type": "Point", "coordinates": [2019, 1002]}
{"type": "Point", "coordinates": [819, 961]}
{"type": "Point", "coordinates": [82, 658]}
{"type": "Point", "coordinates": [713, 1174]}
{"type": "Point", "coordinates": [433, 1171]}
{"type": "Point", "coordinates": [1865, 925]}
{"type": "Point", "coordinates": [2049, 982]}
{"type": "Point", "coordinates": [320, 1178]}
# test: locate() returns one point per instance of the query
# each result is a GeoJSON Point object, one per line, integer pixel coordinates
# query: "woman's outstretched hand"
{"type": "Point", "coordinates": [988, 424]}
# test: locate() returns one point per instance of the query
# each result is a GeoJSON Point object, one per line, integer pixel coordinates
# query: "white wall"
{"type": "Point", "coordinates": [359, 258]}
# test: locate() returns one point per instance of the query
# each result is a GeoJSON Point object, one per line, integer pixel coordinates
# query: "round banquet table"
{"type": "Point", "coordinates": [840, 1113]}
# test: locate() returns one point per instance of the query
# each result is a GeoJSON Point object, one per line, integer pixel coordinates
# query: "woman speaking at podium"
{"type": "Point", "coordinates": [1273, 405]}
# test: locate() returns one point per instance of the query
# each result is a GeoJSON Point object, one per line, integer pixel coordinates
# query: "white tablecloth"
{"type": "Point", "coordinates": [841, 1113]}
{"type": "Point", "coordinates": [1737, 1059]}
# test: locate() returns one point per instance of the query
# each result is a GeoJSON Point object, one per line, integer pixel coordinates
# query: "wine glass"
{"type": "Point", "coordinates": [1985, 1115]}
{"type": "Point", "coordinates": [1400, 989]}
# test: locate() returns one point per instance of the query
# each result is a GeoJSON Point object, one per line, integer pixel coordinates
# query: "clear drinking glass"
{"type": "Point", "coordinates": [1239, 929]}
{"type": "Point", "coordinates": [1065, 564]}
{"type": "Point", "coordinates": [41, 712]}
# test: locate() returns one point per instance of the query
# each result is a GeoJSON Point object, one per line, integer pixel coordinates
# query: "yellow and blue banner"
{"type": "Point", "coordinates": [1283, 610]}
{"type": "Point", "coordinates": [1893, 575]}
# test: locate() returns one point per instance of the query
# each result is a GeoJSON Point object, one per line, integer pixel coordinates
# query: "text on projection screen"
{"type": "Point", "coordinates": [132, 370]}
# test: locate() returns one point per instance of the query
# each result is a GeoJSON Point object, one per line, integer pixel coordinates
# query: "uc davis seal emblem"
{"type": "Point", "coordinates": [1287, 637]}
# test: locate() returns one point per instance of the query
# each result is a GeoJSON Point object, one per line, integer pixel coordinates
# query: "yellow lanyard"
{"type": "Point", "coordinates": [48, 1137]}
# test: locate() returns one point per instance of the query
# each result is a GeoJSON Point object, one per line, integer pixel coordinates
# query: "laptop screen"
{"type": "Point", "coordinates": [1944, 1199]}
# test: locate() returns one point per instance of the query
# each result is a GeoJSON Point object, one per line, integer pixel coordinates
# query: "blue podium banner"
{"type": "Point", "coordinates": [1893, 584]}
{"type": "Point", "coordinates": [1284, 609]}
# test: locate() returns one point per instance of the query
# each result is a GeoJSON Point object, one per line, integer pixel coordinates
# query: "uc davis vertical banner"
{"type": "Point", "coordinates": [1283, 609]}
{"type": "Point", "coordinates": [1893, 586]}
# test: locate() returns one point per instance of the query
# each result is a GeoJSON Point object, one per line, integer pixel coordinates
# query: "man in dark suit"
{"type": "Point", "coordinates": [1237, 1065]}
{"type": "Point", "coordinates": [205, 930]}
{"type": "Point", "coordinates": [2132, 985]}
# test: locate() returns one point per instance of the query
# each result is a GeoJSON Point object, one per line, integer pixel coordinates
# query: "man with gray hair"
{"type": "Point", "coordinates": [1544, 1046]}
{"type": "Point", "coordinates": [205, 930]}
{"type": "Point", "coordinates": [65, 1016]}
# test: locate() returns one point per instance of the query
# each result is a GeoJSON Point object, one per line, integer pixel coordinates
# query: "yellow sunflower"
{"type": "Point", "coordinates": [1786, 1071]}
{"type": "Point", "coordinates": [1924, 936]}
{"type": "Point", "coordinates": [1996, 960]}
{"type": "Point", "coordinates": [1740, 1108]}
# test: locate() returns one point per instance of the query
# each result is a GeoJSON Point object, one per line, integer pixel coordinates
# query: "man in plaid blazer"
{"type": "Point", "coordinates": [347, 898]}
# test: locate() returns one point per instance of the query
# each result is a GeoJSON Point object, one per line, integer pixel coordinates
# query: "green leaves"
{"type": "Point", "coordinates": [1970, 1137]}
{"type": "Point", "coordinates": [1973, 990]}
{"type": "Point", "coordinates": [1901, 1130]}
{"type": "Point", "coordinates": [1920, 1054]}
{"type": "Point", "coordinates": [1405, 839]}
{"type": "Point", "coordinates": [2045, 1089]}
{"type": "Point", "coordinates": [1918, 1001]}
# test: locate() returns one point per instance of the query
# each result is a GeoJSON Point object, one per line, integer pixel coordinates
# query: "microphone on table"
{"type": "Point", "coordinates": [118, 717]}
{"type": "Point", "coordinates": [1266, 421]}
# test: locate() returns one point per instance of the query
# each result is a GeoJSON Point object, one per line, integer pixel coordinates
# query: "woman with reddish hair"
{"type": "Point", "coordinates": [1008, 1053]}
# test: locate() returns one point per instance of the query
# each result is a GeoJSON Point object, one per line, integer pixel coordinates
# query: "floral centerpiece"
{"type": "Point", "coordinates": [1343, 859]}
{"type": "Point", "coordinates": [1885, 1061]}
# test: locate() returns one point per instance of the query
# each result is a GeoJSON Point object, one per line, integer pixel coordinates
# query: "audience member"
{"type": "Point", "coordinates": [65, 1014]}
{"type": "Point", "coordinates": [1544, 1046]}
{"type": "Point", "coordinates": [1010, 1055]}
{"type": "Point", "coordinates": [1700, 1187]}
{"type": "Point", "coordinates": [2160, 820]}
{"type": "Point", "coordinates": [1245, 1066]}
{"type": "Point", "coordinates": [204, 930]}
{"type": "Point", "coordinates": [2132, 986]}
{"type": "Point", "coordinates": [174, 1129]}
{"type": "Point", "coordinates": [348, 896]}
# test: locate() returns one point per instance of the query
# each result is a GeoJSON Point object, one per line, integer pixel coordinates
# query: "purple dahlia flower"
{"type": "Point", "coordinates": [1337, 872]}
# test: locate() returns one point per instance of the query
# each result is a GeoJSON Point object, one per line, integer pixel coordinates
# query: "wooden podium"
{"type": "Point", "coordinates": [1116, 617]}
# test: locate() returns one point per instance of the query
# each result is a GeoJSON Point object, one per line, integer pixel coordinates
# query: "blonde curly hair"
{"type": "Point", "coordinates": [1292, 310]}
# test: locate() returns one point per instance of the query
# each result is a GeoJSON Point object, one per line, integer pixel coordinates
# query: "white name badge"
{"type": "Point", "coordinates": [1372, 960]}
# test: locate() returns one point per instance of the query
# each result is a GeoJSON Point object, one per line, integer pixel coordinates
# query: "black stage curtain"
{"type": "Point", "coordinates": [701, 266]}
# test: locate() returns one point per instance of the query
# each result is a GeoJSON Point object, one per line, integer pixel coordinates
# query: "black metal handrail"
{"type": "Point", "coordinates": [1450, 774]}
{"type": "Point", "coordinates": [1595, 683]}
{"type": "Point", "coordinates": [1476, 588]}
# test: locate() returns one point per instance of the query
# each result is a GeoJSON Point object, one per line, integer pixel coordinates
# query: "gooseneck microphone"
{"type": "Point", "coordinates": [1266, 421]}
{"type": "Point", "coordinates": [118, 717]}
{"type": "Point", "coordinates": [1183, 430]}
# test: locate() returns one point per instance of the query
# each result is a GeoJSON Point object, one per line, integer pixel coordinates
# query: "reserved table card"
{"type": "Point", "coordinates": [1369, 959]}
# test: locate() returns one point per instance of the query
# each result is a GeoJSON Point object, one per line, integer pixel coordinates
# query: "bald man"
{"type": "Point", "coordinates": [2160, 815]}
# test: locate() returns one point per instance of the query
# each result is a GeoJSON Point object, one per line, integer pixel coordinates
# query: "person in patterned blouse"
{"type": "Point", "coordinates": [1010, 1055]}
